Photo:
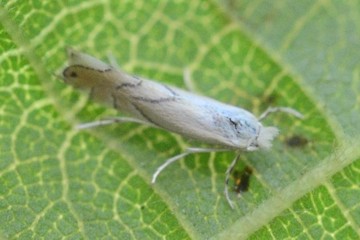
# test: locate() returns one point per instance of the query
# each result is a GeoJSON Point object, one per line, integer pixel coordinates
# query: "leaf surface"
{"type": "Point", "coordinates": [58, 182]}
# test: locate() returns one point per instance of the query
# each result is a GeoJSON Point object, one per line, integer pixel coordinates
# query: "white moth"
{"type": "Point", "coordinates": [170, 108]}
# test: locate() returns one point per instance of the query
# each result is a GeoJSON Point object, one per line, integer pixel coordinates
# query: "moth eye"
{"type": "Point", "coordinates": [73, 74]}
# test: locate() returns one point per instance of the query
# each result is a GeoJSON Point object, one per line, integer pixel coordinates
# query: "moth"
{"type": "Point", "coordinates": [162, 106]}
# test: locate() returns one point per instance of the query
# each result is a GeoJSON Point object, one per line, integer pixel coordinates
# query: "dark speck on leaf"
{"type": "Point", "coordinates": [296, 141]}
{"type": "Point", "coordinates": [242, 180]}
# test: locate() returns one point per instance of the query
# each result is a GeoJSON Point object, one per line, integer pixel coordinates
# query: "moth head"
{"type": "Point", "coordinates": [264, 138]}
{"type": "Point", "coordinates": [83, 70]}
{"type": "Point", "coordinates": [77, 77]}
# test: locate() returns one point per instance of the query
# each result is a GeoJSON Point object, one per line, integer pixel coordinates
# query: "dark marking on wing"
{"type": "Point", "coordinates": [144, 115]}
{"type": "Point", "coordinates": [88, 68]}
{"type": "Point", "coordinates": [136, 77]}
{"type": "Point", "coordinates": [129, 85]}
{"type": "Point", "coordinates": [234, 123]}
{"type": "Point", "coordinates": [157, 100]}
{"type": "Point", "coordinates": [170, 90]}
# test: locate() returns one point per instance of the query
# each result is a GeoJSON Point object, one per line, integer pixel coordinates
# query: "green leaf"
{"type": "Point", "coordinates": [58, 182]}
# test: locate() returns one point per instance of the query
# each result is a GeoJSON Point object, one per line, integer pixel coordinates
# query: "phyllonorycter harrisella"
{"type": "Point", "coordinates": [170, 108]}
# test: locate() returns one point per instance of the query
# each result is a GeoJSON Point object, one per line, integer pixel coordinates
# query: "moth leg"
{"type": "Point", "coordinates": [179, 156]}
{"type": "Point", "coordinates": [104, 122]}
{"type": "Point", "coordinates": [227, 178]}
{"type": "Point", "coordinates": [187, 80]}
{"type": "Point", "coordinates": [280, 109]}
